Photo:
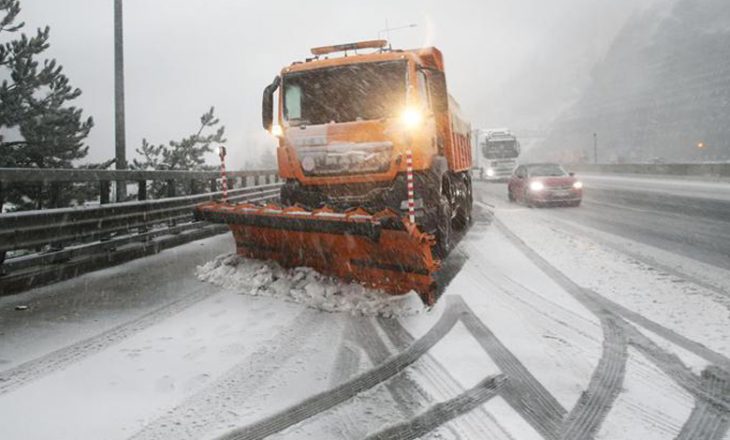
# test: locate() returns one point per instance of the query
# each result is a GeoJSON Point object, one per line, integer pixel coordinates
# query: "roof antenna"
{"type": "Point", "coordinates": [389, 29]}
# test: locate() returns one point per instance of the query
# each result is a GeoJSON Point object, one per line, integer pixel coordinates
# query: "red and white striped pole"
{"type": "Point", "coordinates": [224, 178]}
{"type": "Point", "coordinates": [411, 194]}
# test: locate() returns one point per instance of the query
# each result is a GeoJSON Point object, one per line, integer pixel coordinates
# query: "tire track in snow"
{"type": "Point", "coordinates": [673, 367]}
{"type": "Point", "coordinates": [523, 392]}
{"type": "Point", "coordinates": [34, 369]}
{"type": "Point", "coordinates": [443, 412]}
{"type": "Point", "coordinates": [219, 402]}
{"type": "Point", "coordinates": [478, 422]}
{"type": "Point", "coordinates": [347, 364]}
{"type": "Point", "coordinates": [328, 399]}
{"type": "Point", "coordinates": [669, 363]}
{"type": "Point", "coordinates": [576, 229]}
{"type": "Point", "coordinates": [594, 404]}
{"type": "Point", "coordinates": [402, 388]}
{"type": "Point", "coordinates": [360, 336]}
{"type": "Point", "coordinates": [601, 306]}
{"type": "Point", "coordinates": [707, 421]}
{"type": "Point", "coordinates": [668, 334]}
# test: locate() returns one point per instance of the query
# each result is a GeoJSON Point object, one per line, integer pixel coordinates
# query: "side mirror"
{"type": "Point", "coordinates": [267, 104]}
{"type": "Point", "coordinates": [571, 174]}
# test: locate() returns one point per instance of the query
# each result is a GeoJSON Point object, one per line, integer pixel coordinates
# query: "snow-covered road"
{"type": "Point", "coordinates": [576, 323]}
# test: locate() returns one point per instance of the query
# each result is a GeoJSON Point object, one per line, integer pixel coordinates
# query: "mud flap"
{"type": "Point", "coordinates": [381, 250]}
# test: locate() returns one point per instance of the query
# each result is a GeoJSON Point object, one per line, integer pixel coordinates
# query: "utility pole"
{"type": "Point", "coordinates": [595, 148]}
{"type": "Point", "coordinates": [119, 129]}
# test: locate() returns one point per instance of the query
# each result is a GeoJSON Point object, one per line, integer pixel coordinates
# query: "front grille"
{"type": "Point", "coordinates": [559, 188]}
{"type": "Point", "coordinates": [342, 159]}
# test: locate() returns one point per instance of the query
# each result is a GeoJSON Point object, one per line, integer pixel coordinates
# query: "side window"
{"type": "Point", "coordinates": [439, 95]}
{"type": "Point", "coordinates": [293, 102]}
{"type": "Point", "coordinates": [423, 89]}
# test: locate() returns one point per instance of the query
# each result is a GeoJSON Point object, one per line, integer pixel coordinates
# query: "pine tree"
{"type": "Point", "coordinates": [186, 154]}
{"type": "Point", "coordinates": [38, 129]}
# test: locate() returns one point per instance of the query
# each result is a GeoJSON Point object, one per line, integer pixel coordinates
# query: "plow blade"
{"type": "Point", "coordinates": [379, 250]}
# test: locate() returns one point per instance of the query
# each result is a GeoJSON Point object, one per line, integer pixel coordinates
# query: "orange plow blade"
{"type": "Point", "coordinates": [379, 250]}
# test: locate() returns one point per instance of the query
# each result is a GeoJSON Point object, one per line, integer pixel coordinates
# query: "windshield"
{"type": "Point", "coordinates": [548, 170]}
{"type": "Point", "coordinates": [500, 149]}
{"type": "Point", "coordinates": [355, 92]}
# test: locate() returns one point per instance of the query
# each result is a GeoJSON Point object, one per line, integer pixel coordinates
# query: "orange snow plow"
{"type": "Point", "coordinates": [374, 159]}
{"type": "Point", "coordinates": [379, 250]}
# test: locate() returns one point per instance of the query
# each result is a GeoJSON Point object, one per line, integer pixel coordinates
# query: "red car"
{"type": "Point", "coordinates": [543, 184]}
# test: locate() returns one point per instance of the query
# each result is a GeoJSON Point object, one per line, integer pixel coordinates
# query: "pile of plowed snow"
{"type": "Point", "coordinates": [305, 286]}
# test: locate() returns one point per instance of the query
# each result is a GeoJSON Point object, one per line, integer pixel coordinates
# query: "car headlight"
{"type": "Point", "coordinates": [411, 117]}
{"type": "Point", "coordinates": [578, 184]}
{"type": "Point", "coordinates": [490, 172]}
{"type": "Point", "coordinates": [536, 186]}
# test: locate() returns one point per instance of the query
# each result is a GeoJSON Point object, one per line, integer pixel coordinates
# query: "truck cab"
{"type": "Point", "coordinates": [350, 127]}
{"type": "Point", "coordinates": [497, 151]}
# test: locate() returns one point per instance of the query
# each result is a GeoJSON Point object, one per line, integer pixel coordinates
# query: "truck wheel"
{"type": "Point", "coordinates": [443, 228]}
{"type": "Point", "coordinates": [462, 219]}
{"type": "Point", "coordinates": [470, 200]}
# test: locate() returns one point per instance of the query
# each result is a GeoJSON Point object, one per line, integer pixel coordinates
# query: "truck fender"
{"type": "Point", "coordinates": [439, 165]}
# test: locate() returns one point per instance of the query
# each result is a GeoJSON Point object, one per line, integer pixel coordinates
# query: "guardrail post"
{"type": "Point", "coordinates": [54, 202]}
{"type": "Point", "coordinates": [170, 188]}
{"type": "Point", "coordinates": [142, 195]}
{"type": "Point", "coordinates": [193, 186]}
{"type": "Point", "coordinates": [2, 202]}
{"type": "Point", "coordinates": [141, 190]}
{"type": "Point", "coordinates": [171, 193]}
{"type": "Point", "coordinates": [55, 195]}
{"type": "Point", "coordinates": [243, 182]}
{"type": "Point", "coordinates": [213, 186]}
{"type": "Point", "coordinates": [104, 188]}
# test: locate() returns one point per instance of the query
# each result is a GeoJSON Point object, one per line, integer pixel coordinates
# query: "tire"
{"type": "Point", "coordinates": [463, 217]}
{"type": "Point", "coordinates": [526, 200]}
{"type": "Point", "coordinates": [443, 229]}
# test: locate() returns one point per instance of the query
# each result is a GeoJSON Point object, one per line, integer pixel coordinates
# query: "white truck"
{"type": "Point", "coordinates": [495, 153]}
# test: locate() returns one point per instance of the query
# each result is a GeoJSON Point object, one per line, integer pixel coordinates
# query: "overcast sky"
{"type": "Point", "coordinates": [514, 63]}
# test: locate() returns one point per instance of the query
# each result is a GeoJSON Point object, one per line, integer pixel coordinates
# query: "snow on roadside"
{"type": "Point", "coordinates": [660, 297]}
{"type": "Point", "coordinates": [305, 286]}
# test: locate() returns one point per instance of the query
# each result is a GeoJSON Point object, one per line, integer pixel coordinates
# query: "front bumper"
{"type": "Point", "coordinates": [561, 195]}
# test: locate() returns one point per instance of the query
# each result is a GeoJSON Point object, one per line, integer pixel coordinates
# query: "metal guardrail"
{"type": "Point", "coordinates": [55, 177]}
{"type": "Point", "coordinates": [31, 229]}
{"type": "Point", "coordinates": [54, 244]}
{"type": "Point", "coordinates": [714, 170]}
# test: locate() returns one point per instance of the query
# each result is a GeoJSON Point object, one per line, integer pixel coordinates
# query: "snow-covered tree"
{"type": "Point", "coordinates": [38, 127]}
{"type": "Point", "coordinates": [185, 154]}
{"type": "Point", "coordinates": [34, 95]}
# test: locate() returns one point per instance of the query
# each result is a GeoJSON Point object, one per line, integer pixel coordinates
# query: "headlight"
{"type": "Point", "coordinates": [277, 131]}
{"type": "Point", "coordinates": [490, 172]}
{"type": "Point", "coordinates": [577, 184]}
{"type": "Point", "coordinates": [411, 117]}
{"type": "Point", "coordinates": [536, 186]}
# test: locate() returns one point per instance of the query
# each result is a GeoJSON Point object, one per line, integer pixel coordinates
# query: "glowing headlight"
{"type": "Point", "coordinates": [490, 172]}
{"type": "Point", "coordinates": [411, 117]}
{"type": "Point", "coordinates": [578, 184]}
{"type": "Point", "coordinates": [536, 186]}
{"type": "Point", "coordinates": [277, 131]}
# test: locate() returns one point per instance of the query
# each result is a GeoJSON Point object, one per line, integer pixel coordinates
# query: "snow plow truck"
{"type": "Point", "coordinates": [374, 157]}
